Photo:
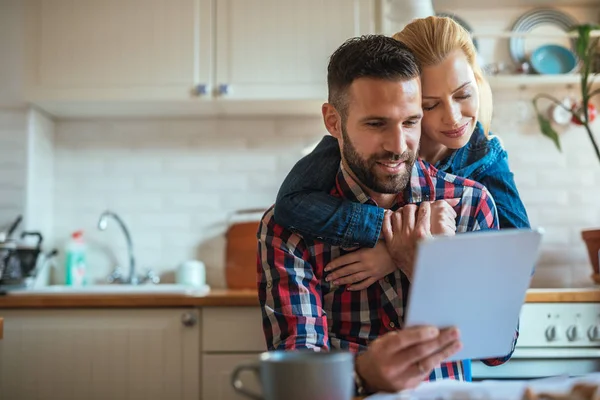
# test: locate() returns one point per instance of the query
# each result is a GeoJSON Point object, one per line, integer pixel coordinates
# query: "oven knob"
{"type": "Point", "coordinates": [594, 333]}
{"type": "Point", "coordinates": [551, 333]}
{"type": "Point", "coordinates": [572, 333]}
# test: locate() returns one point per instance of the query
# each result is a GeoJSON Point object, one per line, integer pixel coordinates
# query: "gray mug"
{"type": "Point", "coordinates": [300, 375]}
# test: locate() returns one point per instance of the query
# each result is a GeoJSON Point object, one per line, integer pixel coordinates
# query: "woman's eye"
{"type": "Point", "coordinates": [463, 97]}
{"type": "Point", "coordinates": [429, 108]}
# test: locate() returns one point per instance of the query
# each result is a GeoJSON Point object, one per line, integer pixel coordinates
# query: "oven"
{"type": "Point", "coordinates": [554, 339]}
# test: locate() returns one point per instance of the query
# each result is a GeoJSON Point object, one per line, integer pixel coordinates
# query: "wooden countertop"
{"type": "Point", "coordinates": [233, 298]}
{"type": "Point", "coordinates": [216, 298]}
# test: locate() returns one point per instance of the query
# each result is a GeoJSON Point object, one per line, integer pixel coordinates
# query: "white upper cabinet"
{"type": "Point", "coordinates": [117, 49]}
{"type": "Point", "coordinates": [279, 49]}
{"type": "Point", "coordinates": [83, 55]}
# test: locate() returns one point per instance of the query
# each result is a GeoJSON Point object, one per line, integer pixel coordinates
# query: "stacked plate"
{"type": "Point", "coordinates": [540, 21]}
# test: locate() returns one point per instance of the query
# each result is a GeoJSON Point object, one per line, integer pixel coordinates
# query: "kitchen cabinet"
{"type": "Point", "coordinates": [274, 49]}
{"type": "Point", "coordinates": [1, 328]}
{"type": "Point", "coordinates": [183, 56]}
{"type": "Point", "coordinates": [216, 376]}
{"type": "Point", "coordinates": [132, 354]}
{"type": "Point", "coordinates": [117, 50]}
{"type": "Point", "coordinates": [230, 336]}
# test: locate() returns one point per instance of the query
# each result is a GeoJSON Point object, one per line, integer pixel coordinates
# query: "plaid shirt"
{"type": "Point", "coordinates": [303, 311]}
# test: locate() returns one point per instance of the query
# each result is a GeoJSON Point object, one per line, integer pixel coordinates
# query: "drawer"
{"type": "Point", "coordinates": [232, 329]}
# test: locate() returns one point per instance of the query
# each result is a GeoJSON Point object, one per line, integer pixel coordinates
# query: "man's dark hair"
{"type": "Point", "coordinates": [368, 56]}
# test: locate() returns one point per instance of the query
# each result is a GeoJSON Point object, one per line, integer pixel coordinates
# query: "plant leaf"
{"type": "Point", "coordinates": [548, 131]}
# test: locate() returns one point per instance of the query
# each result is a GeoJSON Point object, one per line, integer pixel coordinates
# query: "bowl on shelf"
{"type": "Point", "coordinates": [553, 59]}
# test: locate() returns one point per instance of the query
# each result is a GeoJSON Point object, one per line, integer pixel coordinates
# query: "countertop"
{"type": "Point", "coordinates": [234, 298]}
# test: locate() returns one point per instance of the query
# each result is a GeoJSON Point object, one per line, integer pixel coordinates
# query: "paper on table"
{"type": "Point", "coordinates": [486, 390]}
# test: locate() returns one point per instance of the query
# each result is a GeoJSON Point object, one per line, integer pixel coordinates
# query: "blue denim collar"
{"type": "Point", "coordinates": [475, 157]}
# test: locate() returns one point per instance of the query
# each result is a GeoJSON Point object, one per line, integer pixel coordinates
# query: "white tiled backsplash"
{"type": "Point", "coordinates": [13, 163]}
{"type": "Point", "coordinates": [175, 182]}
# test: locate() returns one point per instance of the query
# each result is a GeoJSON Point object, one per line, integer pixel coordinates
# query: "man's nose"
{"type": "Point", "coordinates": [452, 114]}
{"type": "Point", "coordinates": [396, 142]}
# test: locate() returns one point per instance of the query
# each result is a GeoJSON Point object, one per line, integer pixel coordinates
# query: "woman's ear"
{"type": "Point", "coordinates": [332, 120]}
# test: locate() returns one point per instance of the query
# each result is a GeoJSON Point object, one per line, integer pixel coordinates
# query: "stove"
{"type": "Point", "coordinates": [554, 339]}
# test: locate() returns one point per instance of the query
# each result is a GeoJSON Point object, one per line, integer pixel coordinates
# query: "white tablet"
{"type": "Point", "coordinates": [476, 281]}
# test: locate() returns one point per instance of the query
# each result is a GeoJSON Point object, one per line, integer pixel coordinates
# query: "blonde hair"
{"type": "Point", "coordinates": [431, 39]}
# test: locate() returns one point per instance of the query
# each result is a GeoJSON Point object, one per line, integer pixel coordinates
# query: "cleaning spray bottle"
{"type": "Point", "coordinates": [75, 266]}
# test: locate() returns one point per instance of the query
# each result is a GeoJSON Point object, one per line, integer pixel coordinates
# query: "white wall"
{"type": "Point", "coordinates": [13, 164]}
{"type": "Point", "coordinates": [174, 182]}
{"type": "Point", "coordinates": [39, 202]}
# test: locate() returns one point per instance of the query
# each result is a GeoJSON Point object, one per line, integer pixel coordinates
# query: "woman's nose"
{"type": "Point", "coordinates": [452, 114]}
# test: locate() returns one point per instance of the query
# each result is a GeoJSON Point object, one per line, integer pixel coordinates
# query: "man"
{"type": "Point", "coordinates": [374, 111]}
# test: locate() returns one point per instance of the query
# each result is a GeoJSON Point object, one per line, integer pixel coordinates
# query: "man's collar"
{"type": "Point", "coordinates": [349, 188]}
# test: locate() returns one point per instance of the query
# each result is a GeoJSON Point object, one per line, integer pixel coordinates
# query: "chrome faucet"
{"type": "Point", "coordinates": [102, 224]}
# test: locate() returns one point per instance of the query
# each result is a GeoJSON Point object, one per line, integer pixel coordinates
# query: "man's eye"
{"type": "Point", "coordinates": [375, 124]}
{"type": "Point", "coordinates": [412, 122]}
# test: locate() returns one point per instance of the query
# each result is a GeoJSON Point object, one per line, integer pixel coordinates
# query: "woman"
{"type": "Point", "coordinates": [457, 110]}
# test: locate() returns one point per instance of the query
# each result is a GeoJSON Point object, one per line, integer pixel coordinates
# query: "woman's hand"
{"type": "Point", "coordinates": [361, 268]}
{"type": "Point", "coordinates": [443, 217]}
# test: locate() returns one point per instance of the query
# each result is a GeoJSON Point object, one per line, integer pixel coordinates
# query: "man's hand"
{"type": "Point", "coordinates": [361, 268]}
{"type": "Point", "coordinates": [402, 359]}
{"type": "Point", "coordinates": [402, 230]}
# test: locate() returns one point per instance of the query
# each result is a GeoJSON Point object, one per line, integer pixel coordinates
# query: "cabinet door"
{"type": "Point", "coordinates": [279, 49]}
{"type": "Point", "coordinates": [117, 49]}
{"type": "Point", "coordinates": [137, 354]}
{"type": "Point", "coordinates": [216, 376]}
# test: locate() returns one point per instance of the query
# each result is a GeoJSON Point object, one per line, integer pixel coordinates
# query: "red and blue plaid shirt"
{"type": "Point", "coordinates": [303, 311]}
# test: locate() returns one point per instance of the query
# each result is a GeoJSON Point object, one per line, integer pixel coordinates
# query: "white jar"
{"type": "Point", "coordinates": [191, 273]}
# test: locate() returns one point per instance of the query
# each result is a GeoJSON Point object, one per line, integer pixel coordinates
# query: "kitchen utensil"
{"type": "Point", "coordinates": [553, 59]}
{"type": "Point", "coordinates": [300, 375]}
{"type": "Point", "coordinates": [241, 249]}
{"type": "Point", "coordinates": [18, 261]}
{"type": "Point", "coordinates": [28, 255]}
{"type": "Point", "coordinates": [7, 234]}
{"type": "Point", "coordinates": [546, 19]}
{"type": "Point", "coordinates": [561, 115]}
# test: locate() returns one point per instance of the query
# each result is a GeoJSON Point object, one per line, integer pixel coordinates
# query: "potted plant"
{"type": "Point", "coordinates": [583, 114]}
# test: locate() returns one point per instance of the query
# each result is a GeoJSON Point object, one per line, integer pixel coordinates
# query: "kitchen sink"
{"type": "Point", "coordinates": [120, 289]}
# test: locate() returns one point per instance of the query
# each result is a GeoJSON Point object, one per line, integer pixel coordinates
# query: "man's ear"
{"type": "Point", "coordinates": [332, 120]}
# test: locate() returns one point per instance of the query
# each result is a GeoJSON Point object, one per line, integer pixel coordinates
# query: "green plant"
{"type": "Point", "coordinates": [586, 48]}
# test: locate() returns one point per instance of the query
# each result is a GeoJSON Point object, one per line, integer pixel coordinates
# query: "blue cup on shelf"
{"type": "Point", "coordinates": [553, 59]}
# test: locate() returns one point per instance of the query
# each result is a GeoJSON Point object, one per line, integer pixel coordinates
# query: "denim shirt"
{"type": "Point", "coordinates": [304, 205]}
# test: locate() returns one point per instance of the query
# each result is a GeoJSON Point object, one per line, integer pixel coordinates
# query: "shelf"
{"type": "Point", "coordinates": [516, 81]}
{"type": "Point", "coordinates": [444, 5]}
{"type": "Point", "coordinates": [510, 34]}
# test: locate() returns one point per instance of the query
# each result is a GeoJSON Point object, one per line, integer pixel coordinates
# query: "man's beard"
{"type": "Point", "coordinates": [365, 170]}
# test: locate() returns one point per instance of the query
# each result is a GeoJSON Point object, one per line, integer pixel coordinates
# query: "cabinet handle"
{"type": "Point", "coordinates": [188, 319]}
{"type": "Point", "coordinates": [200, 90]}
{"type": "Point", "coordinates": [224, 89]}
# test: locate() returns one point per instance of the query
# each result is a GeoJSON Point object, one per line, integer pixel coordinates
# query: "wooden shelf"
{"type": "Point", "coordinates": [516, 81]}
{"type": "Point", "coordinates": [445, 5]}
{"type": "Point", "coordinates": [510, 34]}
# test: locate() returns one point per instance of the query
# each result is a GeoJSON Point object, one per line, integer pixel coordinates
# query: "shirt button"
{"type": "Point", "coordinates": [269, 285]}
{"type": "Point", "coordinates": [392, 324]}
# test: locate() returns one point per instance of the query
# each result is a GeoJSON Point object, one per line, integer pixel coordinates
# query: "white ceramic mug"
{"type": "Point", "coordinates": [191, 273]}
